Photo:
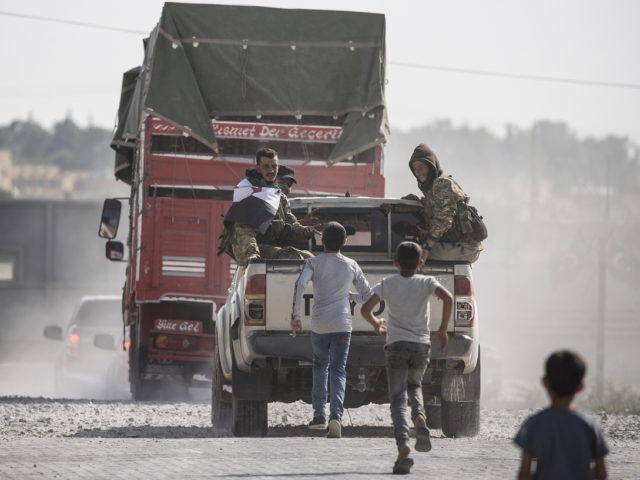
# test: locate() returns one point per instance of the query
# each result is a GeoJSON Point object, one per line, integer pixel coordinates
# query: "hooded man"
{"type": "Point", "coordinates": [259, 223]}
{"type": "Point", "coordinates": [451, 224]}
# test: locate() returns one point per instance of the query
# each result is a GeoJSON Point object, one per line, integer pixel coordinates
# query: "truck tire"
{"type": "Point", "coordinates": [248, 415]}
{"type": "Point", "coordinates": [432, 404]}
{"type": "Point", "coordinates": [221, 403]}
{"type": "Point", "coordinates": [460, 419]}
{"type": "Point", "coordinates": [140, 389]}
{"type": "Point", "coordinates": [434, 415]}
{"type": "Point", "coordinates": [249, 418]}
{"type": "Point", "coordinates": [461, 403]}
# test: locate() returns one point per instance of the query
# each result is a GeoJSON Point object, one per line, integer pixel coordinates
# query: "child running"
{"type": "Point", "coordinates": [408, 345]}
{"type": "Point", "coordinates": [332, 274]}
{"type": "Point", "coordinates": [563, 442]}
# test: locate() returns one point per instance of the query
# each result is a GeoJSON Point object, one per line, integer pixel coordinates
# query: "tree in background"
{"type": "Point", "coordinates": [527, 165]}
{"type": "Point", "coordinates": [67, 145]}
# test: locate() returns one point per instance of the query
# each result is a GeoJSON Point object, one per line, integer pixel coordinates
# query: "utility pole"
{"type": "Point", "coordinates": [602, 289]}
{"type": "Point", "coordinates": [533, 172]}
{"type": "Point", "coordinates": [600, 320]}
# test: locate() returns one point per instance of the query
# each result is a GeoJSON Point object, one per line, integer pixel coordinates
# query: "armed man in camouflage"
{"type": "Point", "coordinates": [264, 235]}
{"type": "Point", "coordinates": [452, 229]}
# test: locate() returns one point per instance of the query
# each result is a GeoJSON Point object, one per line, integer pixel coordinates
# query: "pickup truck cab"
{"type": "Point", "coordinates": [257, 360]}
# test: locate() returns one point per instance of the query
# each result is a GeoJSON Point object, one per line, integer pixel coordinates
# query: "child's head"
{"type": "Point", "coordinates": [407, 258]}
{"type": "Point", "coordinates": [563, 373]}
{"type": "Point", "coordinates": [333, 236]}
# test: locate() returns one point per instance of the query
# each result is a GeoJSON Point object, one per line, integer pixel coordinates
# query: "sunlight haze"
{"type": "Point", "coordinates": [52, 70]}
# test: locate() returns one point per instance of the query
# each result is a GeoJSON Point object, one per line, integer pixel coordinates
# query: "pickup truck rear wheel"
{"type": "Point", "coordinates": [434, 415]}
{"type": "Point", "coordinates": [460, 419]}
{"type": "Point", "coordinates": [461, 403]}
{"type": "Point", "coordinates": [249, 418]}
{"type": "Point", "coordinates": [221, 405]}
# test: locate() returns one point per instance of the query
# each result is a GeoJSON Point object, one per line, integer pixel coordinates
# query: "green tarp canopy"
{"type": "Point", "coordinates": [207, 61]}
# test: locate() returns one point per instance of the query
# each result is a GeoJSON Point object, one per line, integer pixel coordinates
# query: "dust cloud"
{"type": "Point", "coordinates": [58, 259]}
{"type": "Point", "coordinates": [559, 270]}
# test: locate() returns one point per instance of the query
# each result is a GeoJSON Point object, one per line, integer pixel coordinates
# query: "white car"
{"type": "Point", "coordinates": [93, 361]}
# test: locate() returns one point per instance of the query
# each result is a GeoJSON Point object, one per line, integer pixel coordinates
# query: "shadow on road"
{"type": "Point", "coordinates": [151, 432]}
{"type": "Point", "coordinates": [210, 432]}
{"type": "Point", "coordinates": [347, 431]}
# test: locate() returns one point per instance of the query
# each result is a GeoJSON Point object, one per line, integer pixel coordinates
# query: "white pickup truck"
{"type": "Point", "coordinates": [257, 360]}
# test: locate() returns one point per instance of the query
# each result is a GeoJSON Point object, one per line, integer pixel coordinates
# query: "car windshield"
{"type": "Point", "coordinates": [366, 228]}
{"type": "Point", "coordinates": [99, 313]}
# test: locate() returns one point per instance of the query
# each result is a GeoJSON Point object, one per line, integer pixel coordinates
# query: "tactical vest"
{"type": "Point", "coordinates": [467, 224]}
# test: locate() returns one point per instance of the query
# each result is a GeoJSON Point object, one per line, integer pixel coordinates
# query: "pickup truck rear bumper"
{"type": "Point", "coordinates": [365, 350]}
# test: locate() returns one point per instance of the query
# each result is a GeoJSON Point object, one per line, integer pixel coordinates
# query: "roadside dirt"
{"type": "Point", "coordinates": [28, 417]}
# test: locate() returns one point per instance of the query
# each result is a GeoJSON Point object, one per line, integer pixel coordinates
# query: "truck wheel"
{"type": "Point", "coordinates": [221, 407]}
{"type": "Point", "coordinates": [461, 403]}
{"type": "Point", "coordinates": [249, 418]}
{"type": "Point", "coordinates": [434, 415]}
{"type": "Point", "coordinates": [460, 419]}
{"type": "Point", "coordinates": [140, 389]}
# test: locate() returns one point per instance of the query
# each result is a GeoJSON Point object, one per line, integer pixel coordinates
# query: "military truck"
{"type": "Point", "coordinates": [219, 82]}
{"type": "Point", "coordinates": [257, 361]}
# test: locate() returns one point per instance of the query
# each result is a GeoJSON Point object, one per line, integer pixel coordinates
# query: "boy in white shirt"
{"type": "Point", "coordinates": [332, 274]}
{"type": "Point", "coordinates": [408, 345]}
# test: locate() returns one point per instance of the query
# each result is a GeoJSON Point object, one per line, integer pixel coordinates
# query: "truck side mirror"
{"type": "Point", "coordinates": [53, 332]}
{"type": "Point", "coordinates": [110, 218]}
{"type": "Point", "coordinates": [104, 341]}
{"type": "Point", "coordinates": [114, 250]}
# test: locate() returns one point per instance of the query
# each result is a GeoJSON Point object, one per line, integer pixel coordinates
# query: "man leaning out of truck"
{"type": "Point", "coordinates": [259, 223]}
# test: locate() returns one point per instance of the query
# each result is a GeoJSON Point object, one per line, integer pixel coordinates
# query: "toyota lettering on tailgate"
{"type": "Point", "coordinates": [178, 326]}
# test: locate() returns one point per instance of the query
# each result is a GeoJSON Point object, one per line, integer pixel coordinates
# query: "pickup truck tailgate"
{"type": "Point", "coordinates": [280, 280]}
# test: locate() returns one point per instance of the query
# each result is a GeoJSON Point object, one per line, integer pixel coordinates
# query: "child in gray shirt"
{"type": "Point", "coordinates": [562, 441]}
{"type": "Point", "coordinates": [408, 344]}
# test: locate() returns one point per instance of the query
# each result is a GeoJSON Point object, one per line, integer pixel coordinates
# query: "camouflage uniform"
{"type": "Point", "coordinates": [284, 229]}
{"type": "Point", "coordinates": [445, 213]}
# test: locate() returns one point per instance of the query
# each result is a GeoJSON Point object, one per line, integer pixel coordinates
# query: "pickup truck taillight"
{"type": "Point", "coordinates": [464, 311]}
{"type": "Point", "coordinates": [254, 300]}
{"type": "Point", "coordinates": [73, 344]}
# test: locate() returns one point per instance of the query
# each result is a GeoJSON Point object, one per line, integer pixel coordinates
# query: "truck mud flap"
{"type": "Point", "coordinates": [252, 386]}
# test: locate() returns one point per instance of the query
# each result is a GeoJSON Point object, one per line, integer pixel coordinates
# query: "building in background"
{"type": "Point", "coordinates": [51, 182]}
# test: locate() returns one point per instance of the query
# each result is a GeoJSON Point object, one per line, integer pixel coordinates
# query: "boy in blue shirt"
{"type": "Point", "coordinates": [332, 274]}
{"type": "Point", "coordinates": [408, 345]}
{"type": "Point", "coordinates": [562, 441]}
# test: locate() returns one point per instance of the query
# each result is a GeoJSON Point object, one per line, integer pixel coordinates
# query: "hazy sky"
{"type": "Point", "coordinates": [50, 70]}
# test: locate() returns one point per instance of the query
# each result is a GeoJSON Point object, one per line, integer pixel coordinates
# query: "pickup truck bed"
{"type": "Point", "coordinates": [257, 360]}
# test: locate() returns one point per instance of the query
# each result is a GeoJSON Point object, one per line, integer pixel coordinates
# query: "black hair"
{"type": "Point", "coordinates": [265, 152]}
{"type": "Point", "coordinates": [334, 236]}
{"type": "Point", "coordinates": [564, 371]}
{"type": "Point", "coordinates": [408, 256]}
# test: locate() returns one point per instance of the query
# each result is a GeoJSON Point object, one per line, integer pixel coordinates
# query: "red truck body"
{"type": "Point", "coordinates": [217, 83]}
{"type": "Point", "coordinates": [175, 279]}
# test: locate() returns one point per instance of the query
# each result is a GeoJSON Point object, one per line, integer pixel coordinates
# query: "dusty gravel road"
{"type": "Point", "coordinates": [46, 438]}
{"type": "Point", "coordinates": [43, 417]}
